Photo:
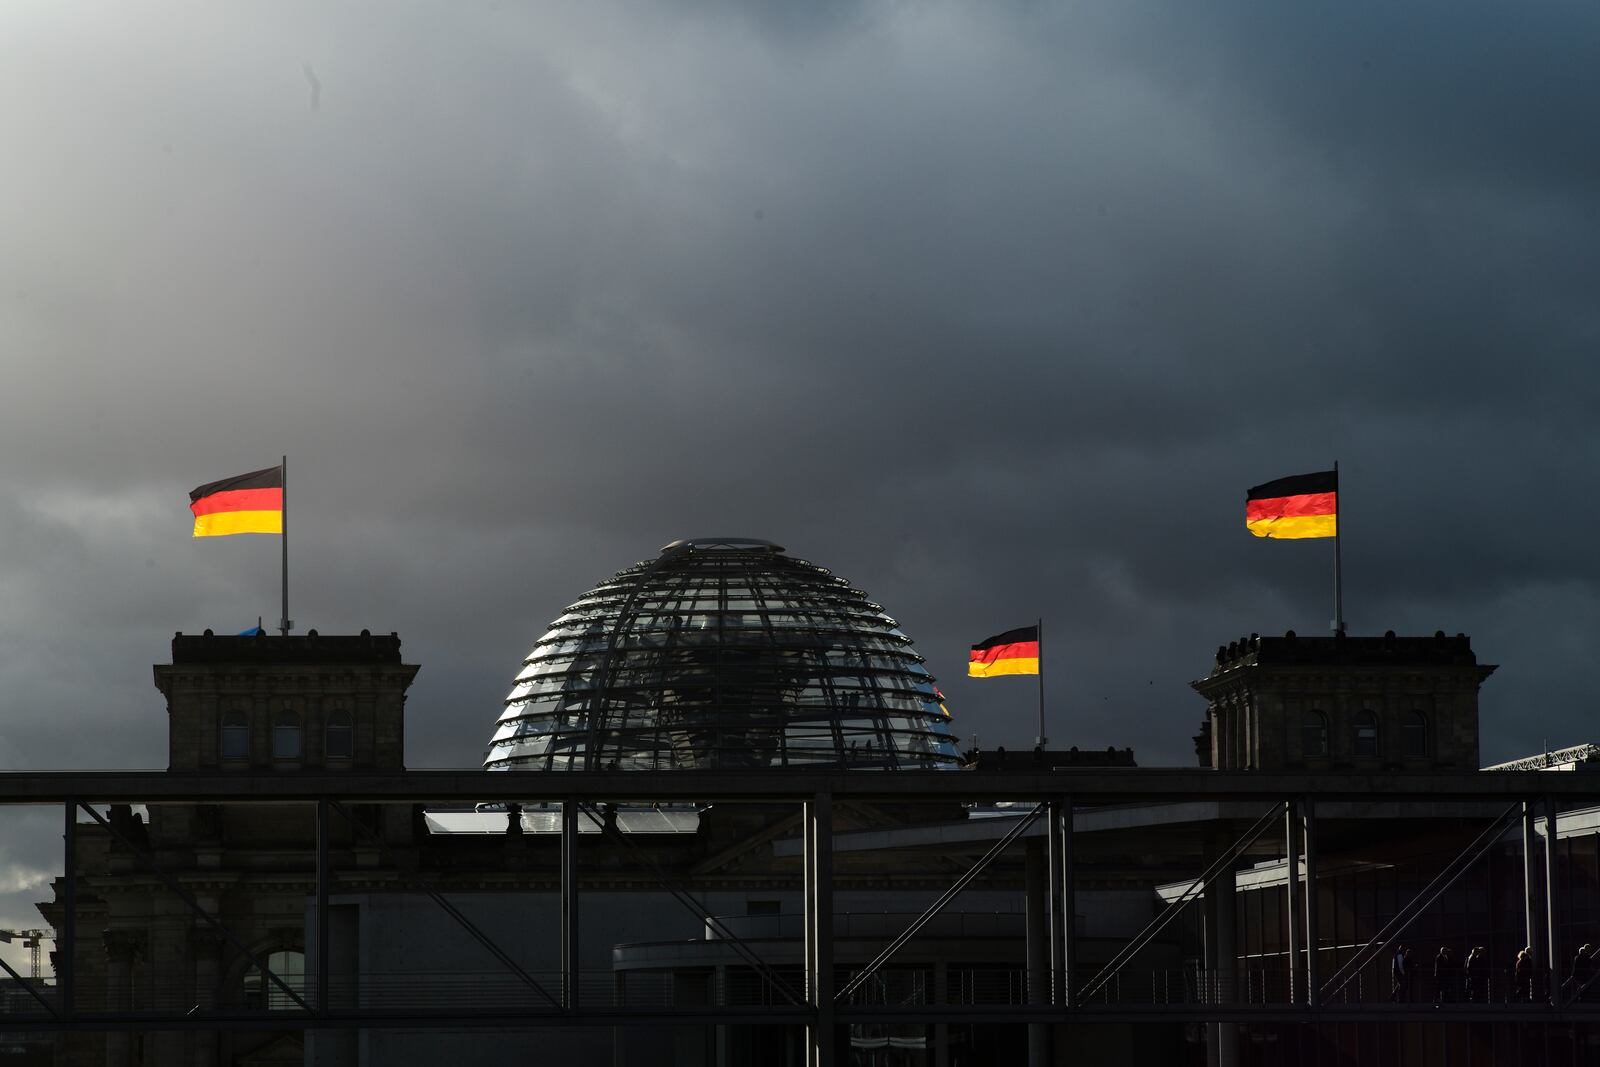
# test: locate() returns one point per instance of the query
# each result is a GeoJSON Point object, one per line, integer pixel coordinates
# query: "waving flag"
{"type": "Point", "coordinates": [247, 503]}
{"type": "Point", "coordinates": [1013, 652]}
{"type": "Point", "coordinates": [1304, 505]}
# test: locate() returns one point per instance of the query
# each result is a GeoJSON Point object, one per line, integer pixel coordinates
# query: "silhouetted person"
{"type": "Point", "coordinates": [1444, 976]}
{"type": "Point", "coordinates": [1522, 975]}
{"type": "Point", "coordinates": [1400, 974]}
{"type": "Point", "coordinates": [1473, 970]}
{"type": "Point", "coordinates": [1582, 970]}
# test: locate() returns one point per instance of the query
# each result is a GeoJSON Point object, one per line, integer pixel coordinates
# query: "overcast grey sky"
{"type": "Point", "coordinates": [995, 310]}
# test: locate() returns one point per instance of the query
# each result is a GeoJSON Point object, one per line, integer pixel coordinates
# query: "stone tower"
{"type": "Point", "coordinates": [282, 703]}
{"type": "Point", "coordinates": [1363, 703]}
{"type": "Point", "coordinates": [258, 704]}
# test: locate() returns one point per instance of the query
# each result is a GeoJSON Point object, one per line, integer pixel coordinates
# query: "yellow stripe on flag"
{"type": "Point", "coordinates": [1014, 665]}
{"type": "Point", "coordinates": [222, 523]}
{"type": "Point", "coordinates": [1288, 527]}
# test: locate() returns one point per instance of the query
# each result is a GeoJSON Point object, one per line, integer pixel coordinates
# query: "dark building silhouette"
{"type": "Point", "coordinates": [726, 654]}
{"type": "Point", "coordinates": [1362, 703]}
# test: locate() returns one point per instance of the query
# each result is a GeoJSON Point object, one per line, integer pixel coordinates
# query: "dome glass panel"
{"type": "Point", "coordinates": [722, 653]}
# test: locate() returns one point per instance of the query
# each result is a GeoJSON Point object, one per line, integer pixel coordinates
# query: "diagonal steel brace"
{"type": "Point", "coordinates": [939, 905]}
{"type": "Point", "coordinates": [687, 900]}
{"type": "Point", "coordinates": [194, 905]}
{"type": "Point", "coordinates": [29, 986]}
{"type": "Point", "coordinates": [1191, 893]}
{"type": "Point", "coordinates": [1446, 878]}
{"type": "Point", "coordinates": [450, 909]}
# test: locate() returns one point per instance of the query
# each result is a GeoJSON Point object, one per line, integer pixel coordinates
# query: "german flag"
{"type": "Point", "coordinates": [248, 503]}
{"type": "Point", "coordinates": [1013, 652]}
{"type": "Point", "coordinates": [1305, 505]}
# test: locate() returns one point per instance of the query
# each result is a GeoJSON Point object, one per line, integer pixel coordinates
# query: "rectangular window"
{"type": "Point", "coordinates": [235, 740]}
{"type": "Point", "coordinates": [286, 742]}
{"type": "Point", "coordinates": [340, 742]}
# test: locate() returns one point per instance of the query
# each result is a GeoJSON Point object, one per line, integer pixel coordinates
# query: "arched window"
{"type": "Point", "coordinates": [235, 735]}
{"type": "Point", "coordinates": [286, 735]}
{"type": "Point", "coordinates": [1415, 735]}
{"type": "Point", "coordinates": [262, 992]}
{"type": "Point", "coordinates": [1366, 734]}
{"type": "Point", "coordinates": [1314, 734]}
{"type": "Point", "coordinates": [341, 738]}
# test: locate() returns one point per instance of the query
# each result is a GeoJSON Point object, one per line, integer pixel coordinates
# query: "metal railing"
{"type": "Point", "coordinates": [495, 993]}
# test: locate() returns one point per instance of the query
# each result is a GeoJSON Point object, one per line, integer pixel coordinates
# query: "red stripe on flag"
{"type": "Point", "coordinates": [1277, 507]}
{"type": "Point", "coordinates": [239, 500]}
{"type": "Point", "coordinates": [1018, 650]}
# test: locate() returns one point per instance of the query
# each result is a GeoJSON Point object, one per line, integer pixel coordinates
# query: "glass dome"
{"type": "Point", "coordinates": [722, 652]}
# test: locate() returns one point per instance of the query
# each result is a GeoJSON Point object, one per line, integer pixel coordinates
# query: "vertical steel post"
{"type": "Point", "coordinates": [1226, 886]}
{"type": "Point", "coordinates": [1530, 899]}
{"type": "Point", "coordinates": [569, 904]}
{"type": "Point", "coordinates": [1552, 903]}
{"type": "Point", "coordinates": [1062, 905]}
{"type": "Point", "coordinates": [67, 936]}
{"type": "Point", "coordinates": [1291, 850]}
{"type": "Point", "coordinates": [1036, 879]}
{"type": "Point", "coordinates": [324, 873]}
{"type": "Point", "coordinates": [819, 929]}
{"type": "Point", "coordinates": [1313, 927]}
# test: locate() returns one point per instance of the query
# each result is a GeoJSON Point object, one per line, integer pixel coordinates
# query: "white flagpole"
{"type": "Point", "coordinates": [1039, 633]}
{"type": "Point", "coordinates": [1338, 528]}
{"type": "Point", "coordinates": [283, 477]}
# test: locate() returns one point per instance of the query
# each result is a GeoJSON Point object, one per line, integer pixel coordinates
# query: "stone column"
{"type": "Point", "coordinates": [122, 947]}
{"type": "Point", "coordinates": [206, 947]}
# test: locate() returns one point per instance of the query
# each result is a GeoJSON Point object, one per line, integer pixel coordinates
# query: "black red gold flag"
{"type": "Point", "coordinates": [1304, 505]}
{"type": "Point", "coordinates": [1013, 652]}
{"type": "Point", "coordinates": [247, 503]}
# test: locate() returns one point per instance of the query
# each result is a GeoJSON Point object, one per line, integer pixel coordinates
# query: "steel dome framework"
{"type": "Point", "coordinates": [723, 653]}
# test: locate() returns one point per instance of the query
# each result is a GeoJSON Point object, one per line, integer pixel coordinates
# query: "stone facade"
{"type": "Point", "coordinates": [282, 703]}
{"type": "Point", "coordinates": [233, 703]}
{"type": "Point", "coordinates": [1362, 703]}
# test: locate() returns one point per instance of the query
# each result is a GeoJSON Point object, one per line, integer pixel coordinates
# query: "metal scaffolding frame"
{"type": "Point", "coordinates": [1058, 794]}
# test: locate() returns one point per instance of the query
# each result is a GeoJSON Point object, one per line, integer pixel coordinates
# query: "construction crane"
{"type": "Point", "coordinates": [31, 940]}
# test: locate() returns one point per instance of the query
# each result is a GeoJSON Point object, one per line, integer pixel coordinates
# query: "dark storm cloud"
{"type": "Point", "coordinates": [995, 312]}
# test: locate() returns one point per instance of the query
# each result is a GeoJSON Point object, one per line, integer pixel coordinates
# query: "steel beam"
{"type": "Point", "coordinates": [1530, 881]}
{"type": "Point", "coordinates": [1552, 903]}
{"type": "Point", "coordinates": [819, 929]}
{"type": "Point", "coordinates": [684, 897]}
{"type": "Point", "coordinates": [570, 965]}
{"type": "Point", "coordinates": [67, 935]}
{"type": "Point", "coordinates": [1063, 903]}
{"type": "Point", "coordinates": [1308, 812]}
{"type": "Point", "coordinates": [1089, 785]}
{"type": "Point", "coordinates": [427, 1018]}
{"type": "Point", "coordinates": [31, 986]}
{"type": "Point", "coordinates": [1225, 887]}
{"type": "Point", "coordinates": [1223, 864]}
{"type": "Point", "coordinates": [449, 909]}
{"type": "Point", "coordinates": [1036, 879]}
{"type": "Point", "coordinates": [1452, 872]}
{"type": "Point", "coordinates": [324, 877]}
{"type": "Point", "coordinates": [1291, 904]}
{"type": "Point", "coordinates": [943, 901]}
